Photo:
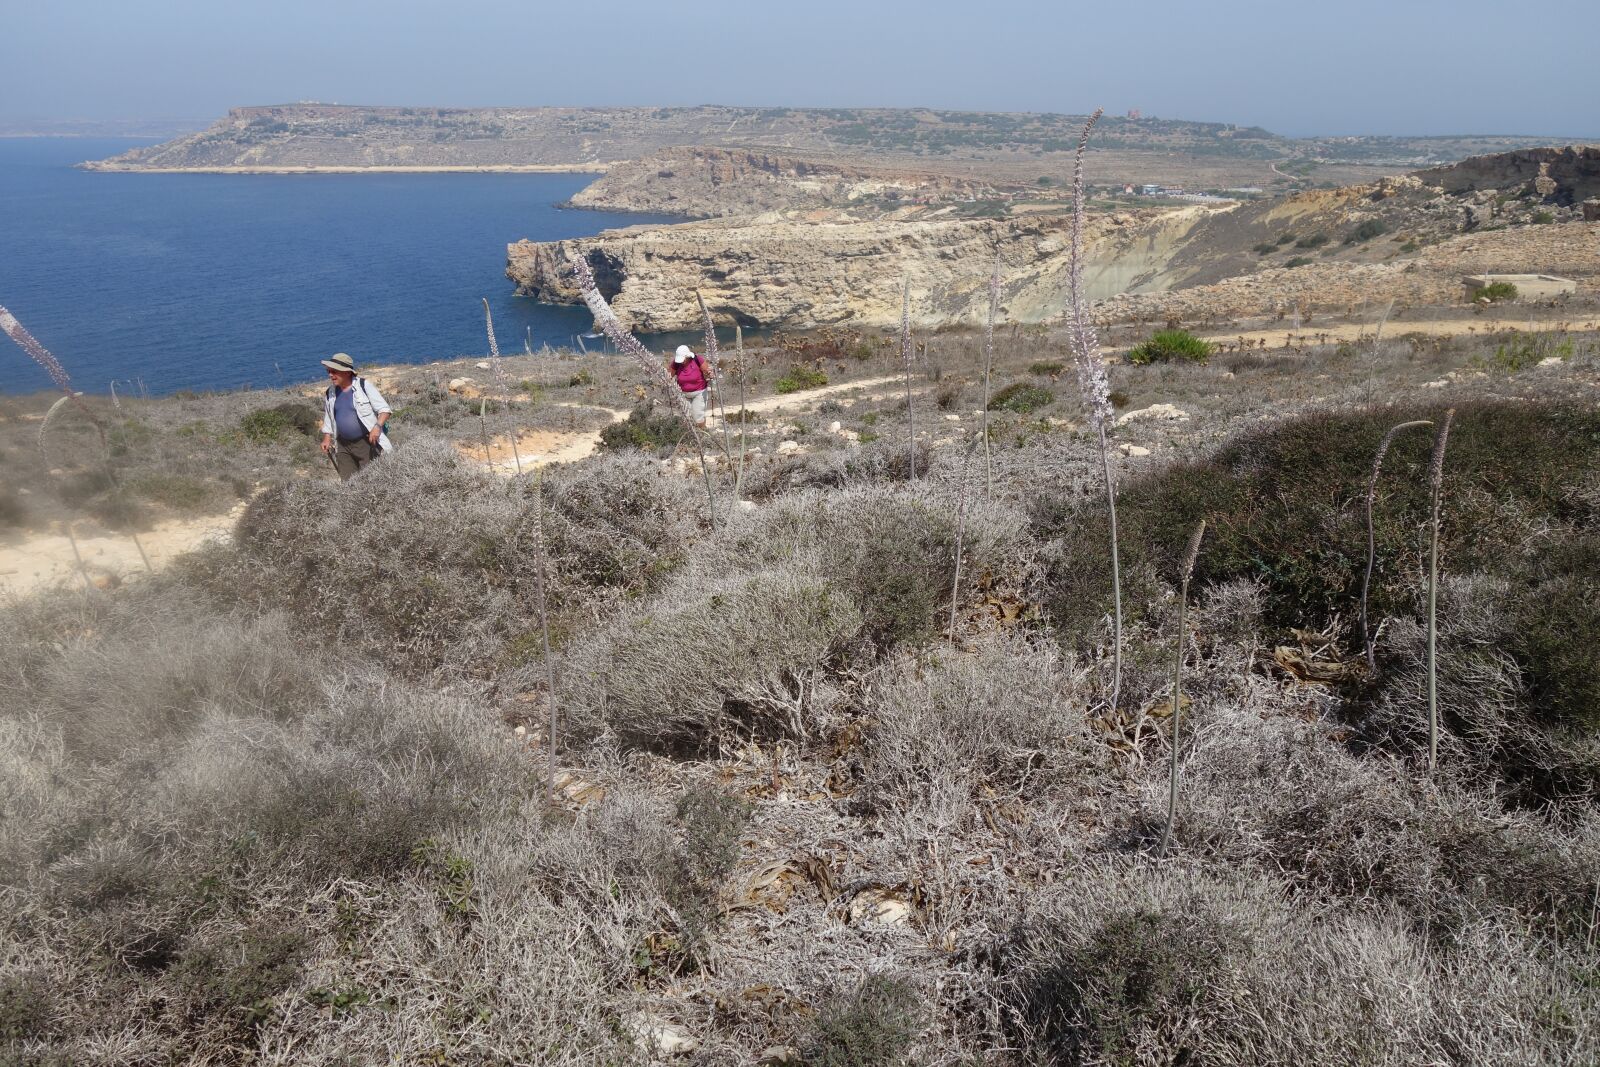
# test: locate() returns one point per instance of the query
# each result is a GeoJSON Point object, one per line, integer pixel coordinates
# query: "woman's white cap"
{"type": "Point", "coordinates": [684, 352]}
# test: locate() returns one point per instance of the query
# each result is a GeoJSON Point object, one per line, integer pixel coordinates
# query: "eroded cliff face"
{"type": "Point", "coordinates": [804, 272]}
{"type": "Point", "coordinates": [1400, 237]}
{"type": "Point", "coordinates": [718, 182]}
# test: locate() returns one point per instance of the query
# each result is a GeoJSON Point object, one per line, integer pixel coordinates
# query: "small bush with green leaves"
{"type": "Point", "coordinates": [237, 981]}
{"type": "Point", "coordinates": [874, 1024]}
{"type": "Point", "coordinates": [1046, 368]}
{"type": "Point", "coordinates": [711, 824]}
{"type": "Point", "coordinates": [1365, 231]}
{"type": "Point", "coordinates": [1296, 261]}
{"type": "Point", "coordinates": [1265, 248]}
{"type": "Point", "coordinates": [800, 377]}
{"type": "Point", "coordinates": [1543, 218]}
{"type": "Point", "coordinates": [1171, 346]}
{"type": "Point", "coordinates": [272, 424]}
{"type": "Point", "coordinates": [1312, 240]}
{"type": "Point", "coordinates": [1496, 292]}
{"type": "Point", "coordinates": [1022, 397]}
{"type": "Point", "coordinates": [182, 493]}
{"type": "Point", "coordinates": [645, 430]}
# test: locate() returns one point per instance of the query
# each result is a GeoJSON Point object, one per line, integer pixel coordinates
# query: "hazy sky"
{"type": "Point", "coordinates": [1356, 66]}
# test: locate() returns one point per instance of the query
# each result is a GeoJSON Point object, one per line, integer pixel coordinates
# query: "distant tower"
{"type": "Point", "coordinates": [1135, 114]}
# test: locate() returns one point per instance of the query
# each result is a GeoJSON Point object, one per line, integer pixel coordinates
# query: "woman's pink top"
{"type": "Point", "coordinates": [691, 376]}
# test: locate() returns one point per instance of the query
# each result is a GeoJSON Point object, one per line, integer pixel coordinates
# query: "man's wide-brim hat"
{"type": "Point", "coordinates": [340, 361]}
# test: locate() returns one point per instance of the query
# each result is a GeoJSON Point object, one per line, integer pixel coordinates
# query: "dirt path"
{"type": "Point", "coordinates": [43, 558]}
{"type": "Point", "coordinates": [538, 448]}
{"type": "Point", "coordinates": [1356, 331]}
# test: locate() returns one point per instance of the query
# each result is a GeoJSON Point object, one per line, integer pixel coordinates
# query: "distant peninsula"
{"type": "Point", "coordinates": [1012, 147]}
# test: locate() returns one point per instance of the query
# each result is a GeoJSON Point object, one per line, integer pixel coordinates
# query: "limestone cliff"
{"type": "Point", "coordinates": [705, 182]}
{"type": "Point", "coordinates": [802, 269]}
{"type": "Point", "coordinates": [805, 270]}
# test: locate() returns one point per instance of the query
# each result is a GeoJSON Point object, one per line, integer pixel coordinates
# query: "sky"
{"type": "Point", "coordinates": [1347, 67]}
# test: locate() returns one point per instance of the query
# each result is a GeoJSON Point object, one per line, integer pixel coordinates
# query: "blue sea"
{"type": "Point", "coordinates": [207, 281]}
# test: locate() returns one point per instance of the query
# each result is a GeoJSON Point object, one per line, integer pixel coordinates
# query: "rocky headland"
{"type": "Point", "coordinates": [1409, 237]}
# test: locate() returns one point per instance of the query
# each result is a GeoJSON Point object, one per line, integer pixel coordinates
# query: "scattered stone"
{"type": "Point", "coordinates": [457, 385]}
{"type": "Point", "coordinates": [484, 365]}
{"type": "Point", "coordinates": [1591, 209]}
{"type": "Point", "coordinates": [521, 731]}
{"type": "Point", "coordinates": [1551, 361]}
{"type": "Point", "coordinates": [786, 447]}
{"type": "Point", "coordinates": [1440, 384]}
{"type": "Point", "coordinates": [747, 505]}
{"type": "Point", "coordinates": [952, 418]}
{"type": "Point", "coordinates": [881, 906]}
{"type": "Point", "coordinates": [655, 1034]}
{"type": "Point", "coordinates": [835, 427]}
{"type": "Point", "coordinates": [1155, 412]}
{"type": "Point", "coordinates": [777, 1055]}
{"type": "Point", "coordinates": [850, 435]}
{"type": "Point", "coordinates": [1136, 451]}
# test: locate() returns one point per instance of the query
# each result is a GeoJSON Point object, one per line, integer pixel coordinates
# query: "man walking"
{"type": "Point", "coordinates": [353, 417]}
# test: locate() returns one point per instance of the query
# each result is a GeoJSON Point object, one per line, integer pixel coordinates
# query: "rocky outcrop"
{"type": "Point", "coordinates": [706, 182]}
{"type": "Point", "coordinates": [1563, 175]}
{"type": "Point", "coordinates": [803, 271]}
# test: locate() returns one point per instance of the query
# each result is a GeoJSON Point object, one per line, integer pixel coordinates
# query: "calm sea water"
{"type": "Point", "coordinates": [204, 281]}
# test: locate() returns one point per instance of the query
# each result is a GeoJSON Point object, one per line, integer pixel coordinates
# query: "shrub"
{"type": "Point", "coordinates": [1169, 346]}
{"type": "Point", "coordinates": [446, 551]}
{"type": "Point", "coordinates": [712, 823]}
{"type": "Point", "coordinates": [269, 424]}
{"type": "Point", "coordinates": [1022, 397]}
{"type": "Point", "coordinates": [27, 1008]}
{"type": "Point", "coordinates": [1001, 714]}
{"type": "Point", "coordinates": [798, 377]}
{"type": "Point", "coordinates": [948, 395]}
{"type": "Point", "coordinates": [873, 1025]}
{"type": "Point", "coordinates": [1312, 240]}
{"type": "Point", "coordinates": [1284, 500]}
{"type": "Point", "coordinates": [1296, 261]}
{"type": "Point", "coordinates": [1265, 248]}
{"type": "Point", "coordinates": [710, 658]}
{"type": "Point", "coordinates": [644, 430]}
{"type": "Point", "coordinates": [13, 512]}
{"type": "Point", "coordinates": [181, 493]}
{"type": "Point", "coordinates": [1366, 231]}
{"type": "Point", "coordinates": [1046, 368]}
{"type": "Point", "coordinates": [1543, 218]}
{"type": "Point", "coordinates": [240, 978]}
{"type": "Point", "coordinates": [1496, 292]}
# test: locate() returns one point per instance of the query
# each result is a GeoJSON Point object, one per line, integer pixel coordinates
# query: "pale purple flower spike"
{"type": "Point", "coordinates": [1092, 378]}
{"type": "Point", "coordinates": [41, 355]}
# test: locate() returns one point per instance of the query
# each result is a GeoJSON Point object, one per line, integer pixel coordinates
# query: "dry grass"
{"type": "Point", "coordinates": [271, 806]}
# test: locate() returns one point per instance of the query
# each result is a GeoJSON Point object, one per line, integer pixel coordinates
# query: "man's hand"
{"type": "Point", "coordinates": [375, 433]}
{"type": "Point", "coordinates": [327, 443]}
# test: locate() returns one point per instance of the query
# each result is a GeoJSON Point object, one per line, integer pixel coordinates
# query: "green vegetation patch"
{"type": "Point", "coordinates": [1022, 397]}
{"type": "Point", "coordinates": [644, 429]}
{"type": "Point", "coordinates": [800, 377]}
{"type": "Point", "coordinates": [1171, 346]}
{"type": "Point", "coordinates": [1496, 292]}
{"type": "Point", "coordinates": [271, 424]}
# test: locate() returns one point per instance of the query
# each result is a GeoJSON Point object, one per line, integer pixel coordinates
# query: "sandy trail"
{"type": "Point", "coordinates": [1358, 331]}
{"type": "Point", "coordinates": [44, 558]}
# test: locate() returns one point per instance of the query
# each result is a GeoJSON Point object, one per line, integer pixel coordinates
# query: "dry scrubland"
{"type": "Point", "coordinates": [272, 805]}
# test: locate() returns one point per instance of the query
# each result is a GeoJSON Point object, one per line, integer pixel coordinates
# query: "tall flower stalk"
{"type": "Point", "coordinates": [744, 422]}
{"type": "Point", "coordinates": [654, 370]}
{"type": "Point", "coordinates": [1095, 384]}
{"type": "Point", "coordinates": [714, 361]}
{"type": "Point", "coordinates": [1436, 484]}
{"type": "Point", "coordinates": [58, 374]}
{"type": "Point", "coordinates": [988, 365]}
{"type": "Point", "coordinates": [1189, 558]}
{"type": "Point", "coordinates": [1367, 636]}
{"type": "Point", "coordinates": [905, 358]}
{"type": "Point", "coordinates": [540, 606]}
{"type": "Point", "coordinates": [500, 379]}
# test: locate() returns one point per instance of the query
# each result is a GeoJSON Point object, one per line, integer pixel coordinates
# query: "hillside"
{"type": "Point", "coordinates": [838, 759]}
{"type": "Point", "coordinates": [804, 268]}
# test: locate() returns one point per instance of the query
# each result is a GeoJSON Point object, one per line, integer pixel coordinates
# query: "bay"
{"type": "Point", "coordinates": [207, 281]}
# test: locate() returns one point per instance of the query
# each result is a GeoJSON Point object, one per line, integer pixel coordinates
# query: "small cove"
{"type": "Point", "coordinates": [205, 281]}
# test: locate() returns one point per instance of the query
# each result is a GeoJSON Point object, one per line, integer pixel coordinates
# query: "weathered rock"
{"type": "Point", "coordinates": [1154, 413]}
